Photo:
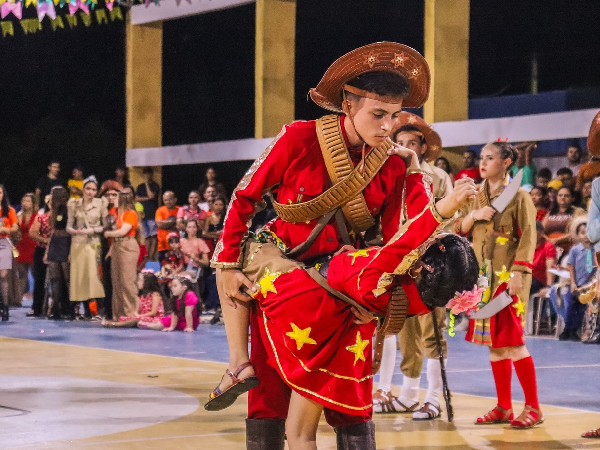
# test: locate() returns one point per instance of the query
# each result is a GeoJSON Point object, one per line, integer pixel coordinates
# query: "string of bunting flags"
{"type": "Point", "coordinates": [79, 11]}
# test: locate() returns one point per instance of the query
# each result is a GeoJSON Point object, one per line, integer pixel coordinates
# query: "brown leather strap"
{"type": "Point", "coordinates": [322, 281]}
{"type": "Point", "coordinates": [299, 249]}
{"type": "Point", "coordinates": [339, 165]}
{"type": "Point", "coordinates": [341, 224]}
{"type": "Point", "coordinates": [392, 324]}
{"type": "Point", "coordinates": [340, 194]}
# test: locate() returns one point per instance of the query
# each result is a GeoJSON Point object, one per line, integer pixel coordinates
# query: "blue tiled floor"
{"type": "Point", "coordinates": [568, 372]}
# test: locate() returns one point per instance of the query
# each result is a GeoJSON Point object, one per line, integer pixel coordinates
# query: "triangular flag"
{"type": "Point", "coordinates": [116, 14]}
{"type": "Point", "coordinates": [101, 16]}
{"type": "Point", "coordinates": [7, 28]}
{"type": "Point", "coordinates": [86, 19]}
{"type": "Point", "coordinates": [30, 2]}
{"type": "Point", "coordinates": [31, 26]}
{"type": "Point", "coordinates": [72, 21]}
{"type": "Point", "coordinates": [57, 23]}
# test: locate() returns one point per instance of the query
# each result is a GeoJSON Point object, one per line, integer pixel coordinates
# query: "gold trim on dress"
{"type": "Point", "coordinates": [301, 389]}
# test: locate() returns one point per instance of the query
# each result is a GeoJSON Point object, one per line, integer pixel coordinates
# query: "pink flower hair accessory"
{"type": "Point", "coordinates": [466, 301]}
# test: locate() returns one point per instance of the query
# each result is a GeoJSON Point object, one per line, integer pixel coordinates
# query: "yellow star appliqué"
{"type": "Point", "coordinates": [503, 275]}
{"type": "Point", "coordinates": [358, 349]}
{"type": "Point", "coordinates": [501, 240]}
{"type": "Point", "coordinates": [300, 336]}
{"type": "Point", "coordinates": [356, 254]}
{"type": "Point", "coordinates": [519, 307]}
{"type": "Point", "coordinates": [266, 283]}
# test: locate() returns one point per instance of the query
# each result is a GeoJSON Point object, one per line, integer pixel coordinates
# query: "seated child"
{"type": "Point", "coordinates": [151, 309]}
{"type": "Point", "coordinates": [183, 309]}
{"type": "Point", "coordinates": [174, 261]}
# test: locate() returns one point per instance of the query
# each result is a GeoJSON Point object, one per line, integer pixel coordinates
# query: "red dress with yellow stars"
{"type": "Point", "coordinates": [310, 336]}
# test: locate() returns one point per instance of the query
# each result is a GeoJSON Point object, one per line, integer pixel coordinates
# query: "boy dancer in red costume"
{"type": "Point", "coordinates": [368, 87]}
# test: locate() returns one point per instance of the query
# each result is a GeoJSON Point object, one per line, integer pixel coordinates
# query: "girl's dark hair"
{"type": "Point", "coordinates": [150, 284]}
{"type": "Point", "coordinates": [542, 189]}
{"type": "Point", "coordinates": [5, 204]}
{"type": "Point", "coordinates": [506, 151]}
{"type": "Point", "coordinates": [555, 209]}
{"type": "Point", "coordinates": [58, 200]}
{"type": "Point", "coordinates": [389, 84]}
{"type": "Point", "coordinates": [455, 269]}
{"type": "Point", "coordinates": [173, 303]}
{"type": "Point", "coordinates": [544, 172]}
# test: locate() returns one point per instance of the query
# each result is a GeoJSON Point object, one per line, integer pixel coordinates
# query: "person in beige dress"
{"type": "Point", "coordinates": [124, 252]}
{"type": "Point", "coordinates": [86, 217]}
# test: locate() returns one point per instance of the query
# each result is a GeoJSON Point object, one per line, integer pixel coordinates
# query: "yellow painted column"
{"type": "Point", "coordinates": [274, 65]}
{"type": "Point", "coordinates": [144, 91]}
{"type": "Point", "coordinates": [447, 52]}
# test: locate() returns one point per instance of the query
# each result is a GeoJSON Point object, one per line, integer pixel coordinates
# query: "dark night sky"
{"type": "Point", "coordinates": [63, 92]}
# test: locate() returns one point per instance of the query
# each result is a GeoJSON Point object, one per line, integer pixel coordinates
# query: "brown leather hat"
{"type": "Point", "coordinates": [434, 141]}
{"type": "Point", "coordinates": [377, 57]}
{"type": "Point", "coordinates": [593, 140]}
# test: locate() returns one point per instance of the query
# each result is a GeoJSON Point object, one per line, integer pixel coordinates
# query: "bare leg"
{"type": "Point", "coordinates": [236, 327]}
{"type": "Point", "coordinates": [125, 324]}
{"type": "Point", "coordinates": [156, 326]}
{"type": "Point", "coordinates": [302, 423]}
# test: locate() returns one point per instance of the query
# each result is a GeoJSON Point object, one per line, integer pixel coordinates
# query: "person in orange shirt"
{"type": "Point", "coordinates": [166, 221]}
{"type": "Point", "coordinates": [125, 252]}
{"type": "Point", "coordinates": [9, 224]}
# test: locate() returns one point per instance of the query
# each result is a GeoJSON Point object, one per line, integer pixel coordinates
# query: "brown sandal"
{"type": "Point", "coordinates": [221, 400]}
{"type": "Point", "coordinates": [592, 434]}
{"type": "Point", "coordinates": [496, 415]}
{"type": "Point", "coordinates": [529, 418]}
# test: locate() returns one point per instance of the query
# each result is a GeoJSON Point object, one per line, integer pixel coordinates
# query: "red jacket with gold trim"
{"type": "Point", "coordinates": [293, 168]}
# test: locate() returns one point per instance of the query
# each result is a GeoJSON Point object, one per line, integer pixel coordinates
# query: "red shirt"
{"type": "Point", "coordinates": [473, 173]}
{"type": "Point", "coordinates": [543, 252]}
{"type": "Point", "coordinates": [294, 163]}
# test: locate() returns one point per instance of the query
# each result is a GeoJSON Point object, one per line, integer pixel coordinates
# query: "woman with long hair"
{"type": "Point", "coordinates": [25, 246]}
{"type": "Point", "coordinates": [504, 243]}
{"type": "Point", "coordinates": [57, 255]}
{"type": "Point", "coordinates": [8, 225]}
{"type": "Point", "coordinates": [40, 232]}
{"type": "Point", "coordinates": [86, 220]}
{"type": "Point", "coordinates": [124, 252]}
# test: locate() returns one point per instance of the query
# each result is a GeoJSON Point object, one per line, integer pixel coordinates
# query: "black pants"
{"type": "Point", "coordinates": [39, 280]}
{"type": "Point", "coordinates": [107, 282]}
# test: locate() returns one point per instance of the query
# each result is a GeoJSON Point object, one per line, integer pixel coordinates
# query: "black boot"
{"type": "Point", "coordinates": [265, 434]}
{"type": "Point", "coordinates": [356, 437]}
{"type": "Point", "coordinates": [5, 313]}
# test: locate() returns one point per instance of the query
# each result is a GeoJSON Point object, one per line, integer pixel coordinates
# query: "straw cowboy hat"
{"type": "Point", "coordinates": [433, 140]}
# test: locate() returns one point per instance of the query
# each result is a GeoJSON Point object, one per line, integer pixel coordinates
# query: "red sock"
{"type": "Point", "coordinates": [502, 371]}
{"type": "Point", "coordinates": [526, 373]}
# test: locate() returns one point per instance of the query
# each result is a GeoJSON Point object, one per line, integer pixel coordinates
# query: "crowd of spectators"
{"type": "Point", "coordinates": [126, 255]}
{"type": "Point", "coordinates": [87, 246]}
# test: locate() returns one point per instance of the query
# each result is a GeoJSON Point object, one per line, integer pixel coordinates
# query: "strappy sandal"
{"type": "Point", "coordinates": [428, 411]}
{"type": "Point", "coordinates": [496, 415]}
{"type": "Point", "coordinates": [221, 400]}
{"type": "Point", "coordinates": [592, 434]}
{"type": "Point", "coordinates": [384, 402]}
{"type": "Point", "coordinates": [529, 418]}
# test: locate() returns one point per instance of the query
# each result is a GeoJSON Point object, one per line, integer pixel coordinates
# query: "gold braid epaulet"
{"type": "Point", "coordinates": [349, 181]}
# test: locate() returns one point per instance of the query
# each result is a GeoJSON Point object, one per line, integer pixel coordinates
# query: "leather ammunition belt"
{"type": "Point", "coordinates": [349, 181]}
